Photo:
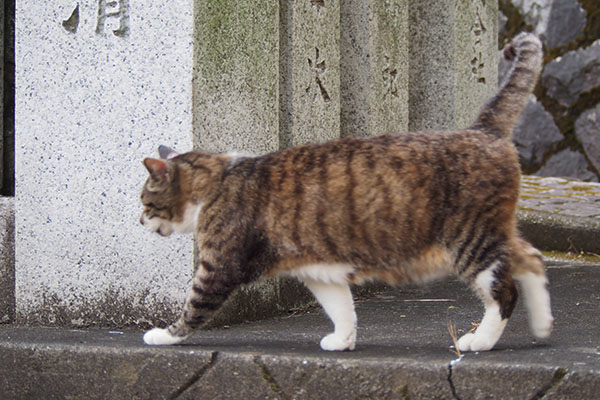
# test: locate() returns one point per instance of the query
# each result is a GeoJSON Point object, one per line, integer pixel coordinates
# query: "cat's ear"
{"type": "Point", "coordinates": [158, 169]}
{"type": "Point", "coordinates": [166, 153]}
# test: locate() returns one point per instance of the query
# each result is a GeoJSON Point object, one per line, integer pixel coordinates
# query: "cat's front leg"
{"type": "Point", "coordinates": [210, 288]}
{"type": "Point", "coordinates": [336, 300]}
{"type": "Point", "coordinates": [159, 336]}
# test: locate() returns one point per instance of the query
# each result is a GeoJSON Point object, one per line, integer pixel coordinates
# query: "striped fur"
{"type": "Point", "coordinates": [398, 208]}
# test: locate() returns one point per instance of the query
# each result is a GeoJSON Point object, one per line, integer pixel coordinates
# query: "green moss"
{"type": "Point", "coordinates": [533, 188]}
{"type": "Point", "coordinates": [234, 36]}
{"type": "Point", "coordinates": [515, 23]}
{"type": "Point", "coordinates": [592, 27]}
{"type": "Point", "coordinates": [269, 379]}
{"type": "Point", "coordinates": [573, 255]}
{"type": "Point", "coordinates": [591, 31]}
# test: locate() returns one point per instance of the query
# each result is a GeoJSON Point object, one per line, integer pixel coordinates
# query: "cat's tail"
{"type": "Point", "coordinates": [500, 114]}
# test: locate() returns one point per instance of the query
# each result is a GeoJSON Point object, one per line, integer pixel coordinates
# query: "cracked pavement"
{"type": "Point", "coordinates": [403, 351]}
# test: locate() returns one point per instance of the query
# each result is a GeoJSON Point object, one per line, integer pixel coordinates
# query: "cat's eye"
{"type": "Point", "coordinates": [152, 206]}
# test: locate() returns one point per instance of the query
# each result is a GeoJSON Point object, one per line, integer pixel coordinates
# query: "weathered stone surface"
{"type": "Point", "coordinates": [535, 134]}
{"type": "Point", "coordinates": [587, 129]}
{"type": "Point", "coordinates": [7, 259]}
{"type": "Point", "coordinates": [556, 22]}
{"type": "Point", "coordinates": [309, 72]}
{"type": "Point", "coordinates": [560, 196]}
{"type": "Point", "coordinates": [566, 77]}
{"type": "Point", "coordinates": [566, 22]}
{"type": "Point", "coordinates": [87, 369]}
{"type": "Point", "coordinates": [233, 376]}
{"type": "Point", "coordinates": [374, 67]}
{"type": "Point", "coordinates": [567, 163]}
{"type": "Point", "coordinates": [236, 76]}
{"type": "Point", "coordinates": [453, 62]}
{"type": "Point", "coordinates": [522, 386]}
{"type": "Point", "coordinates": [560, 215]}
{"type": "Point", "coordinates": [91, 103]}
{"type": "Point", "coordinates": [385, 378]}
{"type": "Point", "coordinates": [577, 385]}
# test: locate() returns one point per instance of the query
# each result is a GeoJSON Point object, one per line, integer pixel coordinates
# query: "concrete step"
{"type": "Point", "coordinates": [403, 351]}
{"type": "Point", "coordinates": [559, 214]}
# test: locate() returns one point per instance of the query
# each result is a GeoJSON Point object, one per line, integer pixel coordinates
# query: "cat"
{"type": "Point", "coordinates": [398, 208]}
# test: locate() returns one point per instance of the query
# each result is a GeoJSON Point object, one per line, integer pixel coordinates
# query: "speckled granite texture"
{"type": "Point", "coordinates": [453, 61]}
{"type": "Point", "coordinates": [99, 86]}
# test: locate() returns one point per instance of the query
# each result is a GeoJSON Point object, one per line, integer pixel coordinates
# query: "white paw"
{"type": "Point", "coordinates": [541, 326]}
{"type": "Point", "coordinates": [333, 342]}
{"type": "Point", "coordinates": [473, 342]}
{"type": "Point", "coordinates": [158, 336]}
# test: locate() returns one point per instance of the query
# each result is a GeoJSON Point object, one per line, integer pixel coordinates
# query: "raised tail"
{"type": "Point", "coordinates": [499, 116]}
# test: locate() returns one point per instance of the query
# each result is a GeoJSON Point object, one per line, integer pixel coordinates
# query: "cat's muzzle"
{"type": "Point", "coordinates": [157, 225]}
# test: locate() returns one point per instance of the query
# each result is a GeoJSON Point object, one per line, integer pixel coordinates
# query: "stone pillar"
{"type": "Point", "coordinates": [453, 61]}
{"type": "Point", "coordinates": [236, 85]}
{"type": "Point", "coordinates": [309, 71]}
{"type": "Point", "coordinates": [99, 86]}
{"type": "Point", "coordinates": [374, 67]}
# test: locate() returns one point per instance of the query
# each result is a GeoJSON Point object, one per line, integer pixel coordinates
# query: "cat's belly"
{"type": "Point", "coordinates": [326, 273]}
{"type": "Point", "coordinates": [433, 263]}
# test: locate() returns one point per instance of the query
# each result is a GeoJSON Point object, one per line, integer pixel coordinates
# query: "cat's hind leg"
{"type": "Point", "coordinates": [528, 270]}
{"type": "Point", "coordinates": [497, 290]}
{"type": "Point", "coordinates": [336, 300]}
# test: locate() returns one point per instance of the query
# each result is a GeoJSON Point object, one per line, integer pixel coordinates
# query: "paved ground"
{"type": "Point", "coordinates": [403, 352]}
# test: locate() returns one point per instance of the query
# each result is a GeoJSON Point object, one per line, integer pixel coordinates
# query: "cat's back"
{"type": "Point", "coordinates": [374, 200]}
{"type": "Point", "coordinates": [413, 159]}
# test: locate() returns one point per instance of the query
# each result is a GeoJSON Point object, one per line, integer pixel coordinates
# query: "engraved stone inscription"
{"type": "Point", "coordinates": [317, 4]}
{"type": "Point", "coordinates": [390, 78]}
{"type": "Point", "coordinates": [72, 23]}
{"type": "Point", "coordinates": [117, 9]}
{"type": "Point", "coordinates": [478, 29]}
{"type": "Point", "coordinates": [315, 86]}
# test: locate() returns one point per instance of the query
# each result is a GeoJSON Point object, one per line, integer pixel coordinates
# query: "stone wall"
{"type": "Point", "coordinates": [559, 133]}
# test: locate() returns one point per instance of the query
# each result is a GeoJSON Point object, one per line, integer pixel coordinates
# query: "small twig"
{"type": "Point", "coordinates": [572, 249]}
{"type": "Point", "coordinates": [454, 335]}
{"type": "Point", "coordinates": [474, 326]}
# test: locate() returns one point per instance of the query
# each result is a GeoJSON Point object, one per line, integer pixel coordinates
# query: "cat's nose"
{"type": "Point", "coordinates": [142, 219]}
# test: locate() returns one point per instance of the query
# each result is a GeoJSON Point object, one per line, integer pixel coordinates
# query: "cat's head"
{"type": "Point", "coordinates": [167, 208]}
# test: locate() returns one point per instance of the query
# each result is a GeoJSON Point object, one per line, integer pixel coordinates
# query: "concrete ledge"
{"type": "Point", "coordinates": [101, 365]}
{"type": "Point", "coordinates": [560, 214]}
{"type": "Point", "coordinates": [7, 259]}
{"type": "Point", "coordinates": [552, 231]}
{"type": "Point", "coordinates": [402, 352]}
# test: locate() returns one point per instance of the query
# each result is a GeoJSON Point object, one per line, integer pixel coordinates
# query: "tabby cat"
{"type": "Point", "coordinates": [397, 208]}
